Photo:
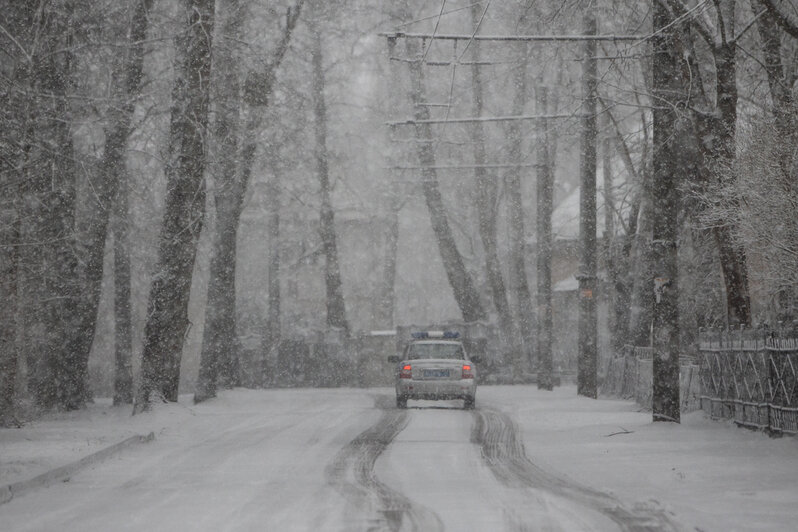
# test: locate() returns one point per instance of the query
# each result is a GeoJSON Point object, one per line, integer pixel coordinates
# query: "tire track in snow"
{"type": "Point", "coordinates": [503, 452]}
{"type": "Point", "coordinates": [352, 473]}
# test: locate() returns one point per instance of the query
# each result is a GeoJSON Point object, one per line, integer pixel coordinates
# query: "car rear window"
{"type": "Point", "coordinates": [421, 351]}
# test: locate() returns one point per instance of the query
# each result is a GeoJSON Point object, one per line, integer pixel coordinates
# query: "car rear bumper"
{"type": "Point", "coordinates": [434, 390]}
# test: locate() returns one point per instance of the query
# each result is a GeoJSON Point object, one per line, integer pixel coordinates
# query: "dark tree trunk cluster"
{"type": "Point", "coordinates": [234, 157]}
{"type": "Point", "coordinates": [167, 322]}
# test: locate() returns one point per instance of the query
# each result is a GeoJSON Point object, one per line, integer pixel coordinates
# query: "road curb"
{"type": "Point", "coordinates": [15, 489]}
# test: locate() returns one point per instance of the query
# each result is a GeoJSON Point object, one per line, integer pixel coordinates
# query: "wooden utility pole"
{"type": "Point", "coordinates": [384, 312]}
{"type": "Point", "coordinates": [664, 199]}
{"type": "Point", "coordinates": [588, 352]}
{"type": "Point", "coordinates": [545, 192]}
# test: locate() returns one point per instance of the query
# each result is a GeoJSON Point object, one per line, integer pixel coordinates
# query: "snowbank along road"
{"type": "Point", "coordinates": [326, 460]}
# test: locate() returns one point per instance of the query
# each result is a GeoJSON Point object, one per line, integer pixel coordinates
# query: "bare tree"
{"type": "Point", "coordinates": [487, 204]}
{"type": "Point", "coordinates": [126, 85]}
{"type": "Point", "coordinates": [460, 280]}
{"type": "Point", "coordinates": [773, 24]}
{"type": "Point", "coordinates": [9, 246]}
{"type": "Point", "coordinates": [272, 334]}
{"type": "Point", "coordinates": [336, 309]}
{"type": "Point", "coordinates": [167, 321]}
{"type": "Point", "coordinates": [545, 200]}
{"type": "Point", "coordinates": [524, 307]}
{"type": "Point", "coordinates": [123, 321]}
{"type": "Point", "coordinates": [715, 136]}
{"type": "Point", "coordinates": [13, 110]}
{"type": "Point", "coordinates": [228, 196]}
{"type": "Point", "coordinates": [47, 165]}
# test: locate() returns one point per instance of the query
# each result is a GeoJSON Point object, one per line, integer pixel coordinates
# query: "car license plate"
{"type": "Point", "coordinates": [436, 373]}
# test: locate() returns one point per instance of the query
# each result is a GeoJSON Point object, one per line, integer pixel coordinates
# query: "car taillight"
{"type": "Point", "coordinates": [407, 372]}
{"type": "Point", "coordinates": [467, 372]}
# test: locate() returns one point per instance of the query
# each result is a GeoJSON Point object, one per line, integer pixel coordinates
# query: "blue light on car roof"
{"type": "Point", "coordinates": [435, 334]}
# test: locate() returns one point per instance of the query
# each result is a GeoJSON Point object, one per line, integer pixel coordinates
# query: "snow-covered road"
{"type": "Point", "coordinates": [346, 460]}
{"type": "Point", "coordinates": [471, 472]}
{"type": "Point", "coordinates": [247, 462]}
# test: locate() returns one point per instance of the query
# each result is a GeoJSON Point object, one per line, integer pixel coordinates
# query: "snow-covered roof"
{"type": "Point", "coordinates": [565, 216]}
{"type": "Point", "coordinates": [566, 285]}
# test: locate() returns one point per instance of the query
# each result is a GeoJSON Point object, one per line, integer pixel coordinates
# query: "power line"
{"type": "Point", "coordinates": [469, 120]}
{"type": "Point", "coordinates": [449, 63]}
{"type": "Point", "coordinates": [518, 38]}
{"type": "Point", "coordinates": [460, 166]}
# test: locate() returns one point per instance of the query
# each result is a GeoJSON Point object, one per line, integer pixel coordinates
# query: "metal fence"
{"type": "Point", "coordinates": [750, 376]}
{"type": "Point", "coordinates": [630, 376]}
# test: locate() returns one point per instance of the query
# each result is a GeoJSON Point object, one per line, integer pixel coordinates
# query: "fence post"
{"type": "Point", "coordinates": [742, 336]}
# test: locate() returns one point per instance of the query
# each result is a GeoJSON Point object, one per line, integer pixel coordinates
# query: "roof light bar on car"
{"type": "Point", "coordinates": [435, 334]}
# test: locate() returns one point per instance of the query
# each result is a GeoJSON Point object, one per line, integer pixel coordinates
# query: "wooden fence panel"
{"type": "Point", "coordinates": [631, 377]}
{"type": "Point", "coordinates": [751, 378]}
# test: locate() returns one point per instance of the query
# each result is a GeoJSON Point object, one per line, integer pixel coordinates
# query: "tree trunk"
{"type": "Point", "coordinates": [221, 322]}
{"type": "Point", "coordinates": [17, 128]}
{"type": "Point", "coordinates": [273, 332]}
{"type": "Point", "coordinates": [9, 263]}
{"type": "Point", "coordinates": [386, 303]}
{"type": "Point", "coordinates": [783, 104]}
{"type": "Point", "coordinates": [620, 264]}
{"type": "Point", "coordinates": [616, 259]}
{"type": "Point", "coordinates": [167, 316]}
{"type": "Point", "coordinates": [336, 310]}
{"type": "Point", "coordinates": [218, 340]}
{"type": "Point", "coordinates": [57, 379]}
{"type": "Point", "coordinates": [487, 207]}
{"type": "Point", "coordinates": [715, 135]}
{"type": "Point", "coordinates": [125, 85]}
{"type": "Point", "coordinates": [123, 323]}
{"type": "Point", "coordinates": [779, 81]}
{"type": "Point", "coordinates": [257, 96]}
{"type": "Point", "coordinates": [219, 361]}
{"type": "Point", "coordinates": [668, 130]}
{"type": "Point", "coordinates": [622, 281]}
{"type": "Point", "coordinates": [735, 276]}
{"type": "Point", "coordinates": [642, 296]}
{"type": "Point", "coordinates": [524, 307]}
{"type": "Point", "coordinates": [459, 279]}
{"type": "Point", "coordinates": [609, 239]}
{"type": "Point", "coordinates": [588, 345]}
{"type": "Point", "coordinates": [545, 205]}
{"type": "Point", "coordinates": [721, 155]}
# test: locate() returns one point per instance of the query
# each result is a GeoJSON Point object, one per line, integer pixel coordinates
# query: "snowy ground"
{"type": "Point", "coordinates": [345, 459]}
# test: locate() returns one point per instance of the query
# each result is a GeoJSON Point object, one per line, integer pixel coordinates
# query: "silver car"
{"type": "Point", "coordinates": [435, 366]}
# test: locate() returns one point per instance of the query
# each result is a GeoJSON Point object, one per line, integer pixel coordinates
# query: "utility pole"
{"type": "Point", "coordinates": [545, 185]}
{"type": "Point", "coordinates": [588, 352]}
{"type": "Point", "coordinates": [664, 198]}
